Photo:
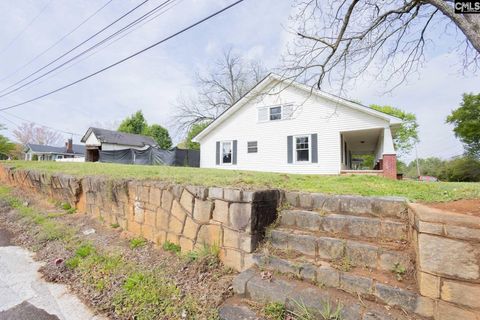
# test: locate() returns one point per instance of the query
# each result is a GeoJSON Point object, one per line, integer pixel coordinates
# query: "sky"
{"type": "Point", "coordinates": [153, 81]}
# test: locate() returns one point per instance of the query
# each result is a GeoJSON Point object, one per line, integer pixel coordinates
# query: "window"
{"type": "Point", "coordinates": [276, 113]}
{"type": "Point", "coordinates": [227, 152]}
{"type": "Point", "coordinates": [252, 147]}
{"type": "Point", "coordinates": [302, 149]}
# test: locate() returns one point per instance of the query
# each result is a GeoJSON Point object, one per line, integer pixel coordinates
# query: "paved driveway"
{"type": "Point", "coordinates": [24, 295]}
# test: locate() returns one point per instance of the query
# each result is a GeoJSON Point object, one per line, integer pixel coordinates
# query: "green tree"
{"type": "Point", "coordinates": [160, 135]}
{"type": "Point", "coordinates": [6, 146]}
{"type": "Point", "coordinates": [431, 166]}
{"type": "Point", "coordinates": [466, 122]}
{"type": "Point", "coordinates": [407, 135]}
{"type": "Point", "coordinates": [464, 169]}
{"type": "Point", "coordinates": [192, 133]}
{"type": "Point", "coordinates": [136, 123]}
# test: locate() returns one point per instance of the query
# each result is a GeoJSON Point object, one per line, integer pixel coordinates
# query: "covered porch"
{"type": "Point", "coordinates": [369, 152]}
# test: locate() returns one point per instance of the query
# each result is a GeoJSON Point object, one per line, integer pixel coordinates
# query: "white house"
{"type": "Point", "coordinates": [50, 153]}
{"type": "Point", "coordinates": [97, 139]}
{"type": "Point", "coordinates": [284, 126]}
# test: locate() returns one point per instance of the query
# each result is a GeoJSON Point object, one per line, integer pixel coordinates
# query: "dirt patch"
{"type": "Point", "coordinates": [468, 207]}
{"type": "Point", "coordinates": [206, 283]}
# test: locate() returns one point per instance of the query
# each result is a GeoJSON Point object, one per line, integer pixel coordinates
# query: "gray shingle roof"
{"type": "Point", "coordinates": [115, 137]}
{"type": "Point", "coordinates": [77, 149]}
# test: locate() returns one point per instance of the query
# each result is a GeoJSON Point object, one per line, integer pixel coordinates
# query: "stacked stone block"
{"type": "Point", "coordinates": [189, 216]}
{"type": "Point", "coordinates": [448, 255]}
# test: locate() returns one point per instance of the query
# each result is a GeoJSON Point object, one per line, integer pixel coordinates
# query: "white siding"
{"type": "Point", "coordinates": [312, 115]}
{"type": "Point", "coordinates": [112, 147]}
{"type": "Point", "coordinates": [92, 140]}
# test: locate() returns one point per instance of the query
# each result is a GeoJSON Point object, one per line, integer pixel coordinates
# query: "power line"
{"type": "Point", "coordinates": [126, 58]}
{"type": "Point", "coordinates": [108, 45]}
{"type": "Point", "coordinates": [24, 29]}
{"type": "Point", "coordinates": [57, 42]}
{"type": "Point", "coordinates": [81, 43]}
{"type": "Point", "coordinates": [111, 36]}
{"type": "Point", "coordinates": [35, 123]}
{"type": "Point", "coordinates": [12, 122]}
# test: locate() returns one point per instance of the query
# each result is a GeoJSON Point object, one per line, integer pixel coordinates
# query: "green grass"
{"type": "Point", "coordinates": [358, 185]}
{"type": "Point", "coordinates": [274, 311]}
{"type": "Point", "coordinates": [49, 230]}
{"type": "Point", "coordinates": [137, 243]}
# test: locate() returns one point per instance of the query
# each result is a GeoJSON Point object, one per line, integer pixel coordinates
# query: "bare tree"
{"type": "Point", "coordinates": [339, 41]}
{"type": "Point", "coordinates": [30, 133]}
{"type": "Point", "coordinates": [226, 82]}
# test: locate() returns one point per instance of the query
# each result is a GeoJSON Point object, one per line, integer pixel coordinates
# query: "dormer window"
{"type": "Point", "coordinates": [275, 113]}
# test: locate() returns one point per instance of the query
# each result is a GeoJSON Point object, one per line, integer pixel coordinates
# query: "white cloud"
{"type": "Point", "coordinates": [152, 81]}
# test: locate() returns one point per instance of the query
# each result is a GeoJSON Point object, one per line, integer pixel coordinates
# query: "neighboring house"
{"type": "Point", "coordinates": [284, 126]}
{"type": "Point", "coordinates": [51, 153]}
{"type": "Point", "coordinates": [97, 140]}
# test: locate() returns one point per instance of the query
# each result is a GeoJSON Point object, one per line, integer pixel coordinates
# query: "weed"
{"type": "Point", "coordinates": [137, 242]}
{"type": "Point", "coordinates": [328, 313]}
{"type": "Point", "coordinates": [346, 264]}
{"type": "Point", "coordinates": [274, 311]}
{"type": "Point", "coordinates": [399, 271]}
{"type": "Point", "coordinates": [65, 206]}
{"type": "Point", "coordinates": [301, 311]}
{"type": "Point", "coordinates": [192, 255]}
{"type": "Point", "coordinates": [206, 253]}
{"type": "Point", "coordinates": [73, 262]}
{"type": "Point", "coordinates": [71, 211]}
{"type": "Point", "coordinates": [115, 225]}
{"type": "Point", "coordinates": [284, 206]}
{"type": "Point", "coordinates": [84, 250]}
{"type": "Point", "coordinates": [322, 212]}
{"type": "Point", "coordinates": [147, 295]}
{"type": "Point", "coordinates": [172, 247]}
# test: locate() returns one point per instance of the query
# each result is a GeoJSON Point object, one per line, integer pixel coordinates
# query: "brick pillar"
{"type": "Point", "coordinates": [390, 166]}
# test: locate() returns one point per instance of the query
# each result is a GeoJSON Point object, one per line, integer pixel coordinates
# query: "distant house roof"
{"type": "Point", "coordinates": [39, 148]}
{"type": "Point", "coordinates": [115, 137]}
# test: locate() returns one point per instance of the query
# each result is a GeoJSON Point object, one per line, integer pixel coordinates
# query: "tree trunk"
{"type": "Point", "coordinates": [468, 24]}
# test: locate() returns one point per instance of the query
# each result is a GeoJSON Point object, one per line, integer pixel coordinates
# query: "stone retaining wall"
{"type": "Point", "coordinates": [190, 216]}
{"type": "Point", "coordinates": [447, 245]}
{"type": "Point", "coordinates": [448, 261]}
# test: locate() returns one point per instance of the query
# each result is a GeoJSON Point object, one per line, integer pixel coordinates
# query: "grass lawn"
{"type": "Point", "coordinates": [361, 185]}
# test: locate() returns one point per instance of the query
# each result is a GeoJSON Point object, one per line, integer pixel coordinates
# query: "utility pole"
{"type": "Point", "coordinates": [416, 159]}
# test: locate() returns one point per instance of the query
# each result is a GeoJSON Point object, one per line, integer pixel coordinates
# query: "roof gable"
{"type": "Point", "coordinates": [272, 78]}
{"type": "Point", "coordinates": [116, 137]}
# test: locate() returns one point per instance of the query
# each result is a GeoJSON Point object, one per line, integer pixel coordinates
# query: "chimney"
{"type": "Point", "coordinates": [69, 146]}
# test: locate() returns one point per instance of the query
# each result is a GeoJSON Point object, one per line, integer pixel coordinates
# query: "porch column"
{"type": "Point", "coordinates": [389, 155]}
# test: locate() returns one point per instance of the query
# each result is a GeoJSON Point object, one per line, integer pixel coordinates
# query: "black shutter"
{"type": "Point", "coordinates": [290, 149]}
{"type": "Point", "coordinates": [217, 153]}
{"type": "Point", "coordinates": [314, 148]}
{"type": "Point", "coordinates": [341, 146]}
{"type": "Point", "coordinates": [234, 152]}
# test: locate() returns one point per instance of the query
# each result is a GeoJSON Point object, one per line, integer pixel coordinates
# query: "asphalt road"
{"type": "Point", "coordinates": [24, 295]}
